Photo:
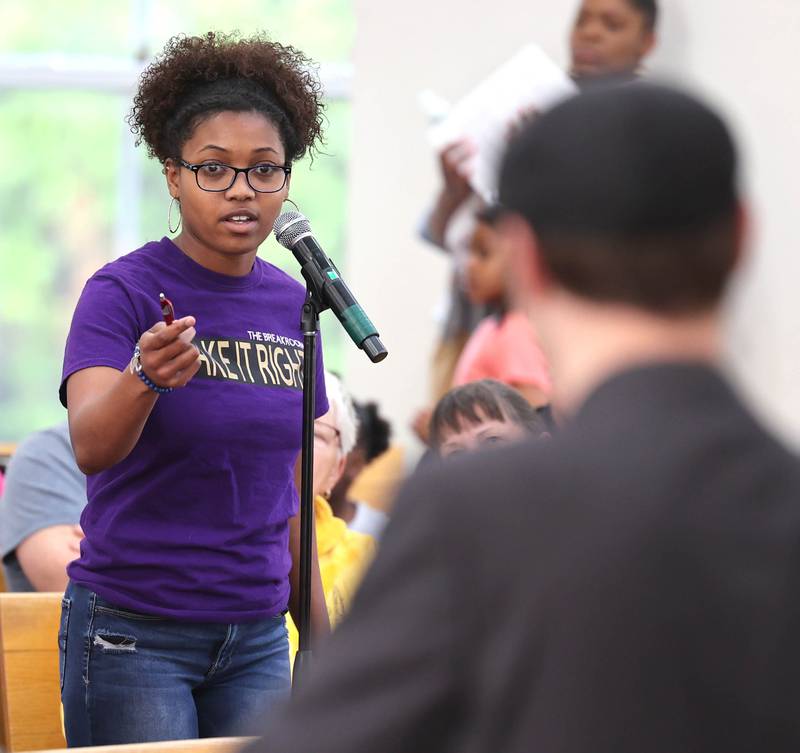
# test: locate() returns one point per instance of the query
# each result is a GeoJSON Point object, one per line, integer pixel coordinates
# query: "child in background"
{"type": "Point", "coordinates": [504, 346]}
{"type": "Point", "coordinates": [481, 414]}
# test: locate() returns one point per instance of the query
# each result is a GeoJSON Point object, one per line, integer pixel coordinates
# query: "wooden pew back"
{"type": "Point", "coordinates": [30, 716]}
{"type": "Point", "coordinates": [210, 745]}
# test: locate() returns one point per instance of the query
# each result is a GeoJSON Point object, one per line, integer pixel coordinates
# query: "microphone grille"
{"type": "Point", "coordinates": [289, 226]}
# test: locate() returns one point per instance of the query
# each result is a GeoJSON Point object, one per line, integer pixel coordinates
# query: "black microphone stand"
{"type": "Point", "coordinates": [309, 322]}
{"type": "Point", "coordinates": [317, 278]}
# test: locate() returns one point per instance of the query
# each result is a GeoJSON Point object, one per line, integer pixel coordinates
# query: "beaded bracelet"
{"type": "Point", "coordinates": [136, 368]}
{"type": "Point", "coordinates": [152, 385]}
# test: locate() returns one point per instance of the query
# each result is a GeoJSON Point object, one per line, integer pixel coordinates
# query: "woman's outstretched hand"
{"type": "Point", "coordinates": [168, 356]}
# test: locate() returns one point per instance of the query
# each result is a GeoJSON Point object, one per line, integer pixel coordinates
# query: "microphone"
{"type": "Point", "coordinates": [293, 231]}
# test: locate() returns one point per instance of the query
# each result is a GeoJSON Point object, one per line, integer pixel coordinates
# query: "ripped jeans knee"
{"type": "Point", "coordinates": [114, 642]}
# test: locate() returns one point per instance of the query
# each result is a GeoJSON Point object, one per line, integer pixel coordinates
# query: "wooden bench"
{"type": "Point", "coordinates": [210, 745]}
{"type": "Point", "coordinates": [30, 698]}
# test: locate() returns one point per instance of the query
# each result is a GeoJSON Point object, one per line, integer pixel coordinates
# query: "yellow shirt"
{"type": "Point", "coordinates": [343, 557]}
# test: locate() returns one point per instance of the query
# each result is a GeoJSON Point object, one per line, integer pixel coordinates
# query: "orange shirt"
{"type": "Point", "coordinates": [505, 349]}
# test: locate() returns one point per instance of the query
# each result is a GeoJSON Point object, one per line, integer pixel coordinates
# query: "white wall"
{"type": "Point", "coordinates": [738, 52]}
{"type": "Point", "coordinates": [742, 56]}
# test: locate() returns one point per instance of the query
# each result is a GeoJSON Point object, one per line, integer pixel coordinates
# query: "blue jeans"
{"type": "Point", "coordinates": [128, 677]}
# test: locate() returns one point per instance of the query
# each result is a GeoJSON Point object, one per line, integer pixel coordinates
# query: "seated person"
{"type": "Point", "coordinates": [343, 554]}
{"type": "Point", "coordinates": [44, 496]}
{"type": "Point", "coordinates": [481, 414]}
{"type": "Point", "coordinates": [373, 440]}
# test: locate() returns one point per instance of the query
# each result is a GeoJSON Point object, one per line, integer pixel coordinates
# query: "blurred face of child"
{"type": "Point", "coordinates": [472, 437]}
{"type": "Point", "coordinates": [609, 36]}
{"type": "Point", "coordinates": [487, 266]}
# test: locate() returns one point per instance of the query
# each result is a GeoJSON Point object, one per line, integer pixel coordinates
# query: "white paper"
{"type": "Point", "coordinates": [528, 81]}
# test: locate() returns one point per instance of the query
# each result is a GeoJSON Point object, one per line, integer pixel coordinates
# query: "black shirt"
{"type": "Point", "coordinates": [633, 585]}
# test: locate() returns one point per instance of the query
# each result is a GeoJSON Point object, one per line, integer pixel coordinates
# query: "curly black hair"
{"type": "Point", "coordinates": [196, 77]}
{"type": "Point", "coordinates": [374, 431]}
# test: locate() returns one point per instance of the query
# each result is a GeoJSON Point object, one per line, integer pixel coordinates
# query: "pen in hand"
{"type": "Point", "coordinates": [167, 309]}
{"type": "Point", "coordinates": [166, 354]}
{"type": "Point", "coordinates": [168, 312]}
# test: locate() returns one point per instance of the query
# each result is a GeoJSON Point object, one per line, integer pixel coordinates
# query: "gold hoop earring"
{"type": "Point", "coordinates": [169, 215]}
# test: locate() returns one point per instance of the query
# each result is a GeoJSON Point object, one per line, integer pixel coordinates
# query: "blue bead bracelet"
{"type": "Point", "coordinates": [136, 368]}
{"type": "Point", "coordinates": [152, 385]}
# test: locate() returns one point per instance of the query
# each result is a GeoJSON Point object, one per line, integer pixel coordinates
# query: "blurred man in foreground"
{"type": "Point", "coordinates": [633, 584]}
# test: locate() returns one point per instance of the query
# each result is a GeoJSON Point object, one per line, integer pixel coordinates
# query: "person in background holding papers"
{"type": "Point", "coordinates": [610, 39]}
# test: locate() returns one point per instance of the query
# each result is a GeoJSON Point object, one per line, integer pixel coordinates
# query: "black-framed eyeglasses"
{"type": "Point", "coordinates": [216, 176]}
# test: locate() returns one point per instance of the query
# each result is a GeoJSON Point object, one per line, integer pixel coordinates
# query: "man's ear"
{"type": "Point", "coordinates": [171, 171]}
{"type": "Point", "coordinates": [744, 225]}
{"type": "Point", "coordinates": [529, 277]}
{"type": "Point", "coordinates": [649, 44]}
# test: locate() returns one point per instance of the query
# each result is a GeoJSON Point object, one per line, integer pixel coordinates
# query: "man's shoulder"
{"type": "Point", "coordinates": [44, 487]}
{"type": "Point", "coordinates": [491, 487]}
{"type": "Point", "coordinates": [44, 462]}
{"type": "Point", "coordinates": [51, 442]}
{"type": "Point", "coordinates": [643, 480]}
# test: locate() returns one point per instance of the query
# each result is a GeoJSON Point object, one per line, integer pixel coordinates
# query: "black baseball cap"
{"type": "Point", "coordinates": [623, 162]}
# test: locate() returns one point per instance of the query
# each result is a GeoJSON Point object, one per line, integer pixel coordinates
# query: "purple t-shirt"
{"type": "Point", "coordinates": [193, 524]}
